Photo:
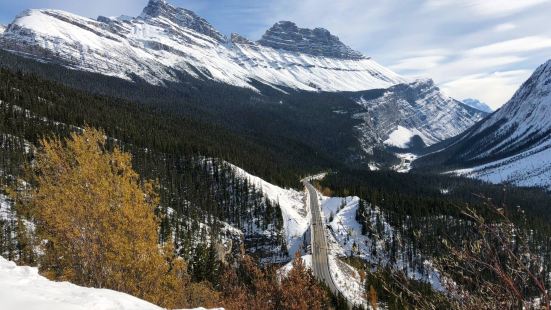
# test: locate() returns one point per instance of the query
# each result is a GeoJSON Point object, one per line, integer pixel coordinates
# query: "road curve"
{"type": "Point", "coordinates": [320, 258]}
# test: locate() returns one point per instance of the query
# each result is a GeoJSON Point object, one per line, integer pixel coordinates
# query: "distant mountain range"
{"type": "Point", "coordinates": [166, 45]}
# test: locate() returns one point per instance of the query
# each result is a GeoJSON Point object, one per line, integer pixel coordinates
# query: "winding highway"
{"type": "Point", "coordinates": [320, 258]}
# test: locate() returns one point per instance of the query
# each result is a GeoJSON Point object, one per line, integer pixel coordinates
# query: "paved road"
{"type": "Point", "coordinates": [320, 262]}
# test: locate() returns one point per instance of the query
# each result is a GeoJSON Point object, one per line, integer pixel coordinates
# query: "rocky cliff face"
{"type": "Point", "coordinates": [160, 9]}
{"type": "Point", "coordinates": [398, 114]}
{"type": "Point", "coordinates": [287, 36]}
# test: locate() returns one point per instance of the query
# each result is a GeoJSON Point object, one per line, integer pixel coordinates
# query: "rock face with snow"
{"type": "Point", "coordinates": [160, 9]}
{"type": "Point", "coordinates": [165, 41]}
{"type": "Point", "coordinates": [477, 104]}
{"type": "Point", "coordinates": [2, 28]}
{"type": "Point", "coordinates": [287, 36]}
{"type": "Point", "coordinates": [398, 114]}
{"type": "Point", "coordinates": [511, 145]}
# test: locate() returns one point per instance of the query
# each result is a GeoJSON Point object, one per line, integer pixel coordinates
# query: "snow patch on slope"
{"type": "Point", "coordinates": [346, 278]}
{"type": "Point", "coordinates": [531, 168]}
{"type": "Point", "coordinates": [406, 159]}
{"type": "Point", "coordinates": [296, 219]}
{"type": "Point", "coordinates": [345, 239]}
{"type": "Point", "coordinates": [399, 137]}
{"type": "Point", "coordinates": [6, 212]}
{"type": "Point", "coordinates": [348, 281]}
{"type": "Point", "coordinates": [306, 260]}
{"type": "Point", "coordinates": [23, 288]}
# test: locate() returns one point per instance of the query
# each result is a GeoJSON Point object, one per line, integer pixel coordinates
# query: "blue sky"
{"type": "Point", "coordinates": [482, 49]}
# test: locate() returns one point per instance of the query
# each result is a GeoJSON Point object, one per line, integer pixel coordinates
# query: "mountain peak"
{"type": "Point", "coordinates": [156, 8]}
{"type": "Point", "coordinates": [288, 36]}
{"type": "Point", "coordinates": [477, 104]}
{"type": "Point", "coordinates": [181, 17]}
{"type": "Point", "coordinates": [239, 39]}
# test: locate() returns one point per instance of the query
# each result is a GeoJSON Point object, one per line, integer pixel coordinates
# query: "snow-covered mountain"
{"type": "Point", "coordinates": [511, 145]}
{"type": "Point", "coordinates": [477, 104]}
{"type": "Point", "coordinates": [168, 44]}
{"type": "Point", "coordinates": [2, 28]}
{"type": "Point", "coordinates": [164, 41]}
{"type": "Point", "coordinates": [398, 114]}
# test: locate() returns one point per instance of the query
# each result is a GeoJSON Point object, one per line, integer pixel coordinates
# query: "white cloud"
{"type": "Point", "coordinates": [489, 8]}
{"type": "Point", "coordinates": [95, 8]}
{"type": "Point", "coordinates": [502, 85]}
{"type": "Point", "coordinates": [502, 7]}
{"type": "Point", "coordinates": [513, 46]}
{"type": "Point", "coordinates": [505, 27]}
{"type": "Point", "coordinates": [418, 63]}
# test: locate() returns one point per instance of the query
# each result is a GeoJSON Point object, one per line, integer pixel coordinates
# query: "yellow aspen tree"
{"type": "Point", "coordinates": [97, 220]}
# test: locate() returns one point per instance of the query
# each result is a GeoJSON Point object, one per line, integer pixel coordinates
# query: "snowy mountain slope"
{"type": "Point", "coordinates": [522, 122]}
{"type": "Point", "coordinates": [531, 168]}
{"type": "Point", "coordinates": [165, 41]}
{"type": "Point", "coordinates": [398, 114]}
{"type": "Point", "coordinates": [477, 104]}
{"type": "Point", "coordinates": [2, 28]}
{"type": "Point", "coordinates": [306, 72]}
{"type": "Point", "coordinates": [511, 145]}
{"type": "Point", "coordinates": [23, 288]}
{"type": "Point", "coordinates": [347, 239]}
{"type": "Point", "coordinates": [296, 218]}
{"type": "Point", "coordinates": [152, 48]}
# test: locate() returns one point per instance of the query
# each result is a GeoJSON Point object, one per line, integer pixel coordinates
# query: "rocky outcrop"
{"type": "Point", "coordinates": [414, 109]}
{"type": "Point", "coordinates": [182, 17]}
{"type": "Point", "coordinates": [287, 36]}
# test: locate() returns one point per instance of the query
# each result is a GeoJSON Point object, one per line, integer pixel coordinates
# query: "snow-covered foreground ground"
{"type": "Point", "coordinates": [22, 288]}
